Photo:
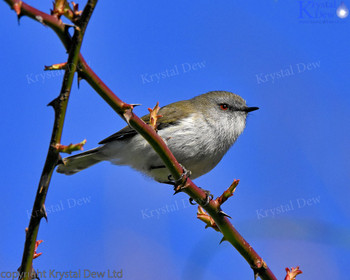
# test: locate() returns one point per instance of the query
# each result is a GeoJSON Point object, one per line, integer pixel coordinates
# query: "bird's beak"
{"type": "Point", "coordinates": [250, 109]}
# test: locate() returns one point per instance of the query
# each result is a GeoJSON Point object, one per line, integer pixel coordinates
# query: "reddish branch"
{"type": "Point", "coordinates": [148, 132]}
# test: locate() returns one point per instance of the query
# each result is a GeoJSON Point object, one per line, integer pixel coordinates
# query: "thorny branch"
{"type": "Point", "coordinates": [60, 105]}
{"type": "Point", "coordinates": [125, 111]}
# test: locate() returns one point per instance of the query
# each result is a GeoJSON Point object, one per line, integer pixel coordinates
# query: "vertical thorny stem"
{"type": "Point", "coordinates": [60, 105]}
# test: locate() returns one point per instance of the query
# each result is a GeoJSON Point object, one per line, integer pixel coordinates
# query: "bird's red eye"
{"type": "Point", "coordinates": [224, 107]}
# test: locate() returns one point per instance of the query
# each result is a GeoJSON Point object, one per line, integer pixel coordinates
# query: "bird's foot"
{"type": "Point", "coordinates": [205, 201]}
{"type": "Point", "coordinates": [179, 184]}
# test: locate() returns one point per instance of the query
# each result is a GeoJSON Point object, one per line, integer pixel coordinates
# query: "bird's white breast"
{"type": "Point", "coordinates": [196, 143]}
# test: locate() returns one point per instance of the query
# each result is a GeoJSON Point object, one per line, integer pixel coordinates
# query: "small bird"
{"type": "Point", "coordinates": [198, 131]}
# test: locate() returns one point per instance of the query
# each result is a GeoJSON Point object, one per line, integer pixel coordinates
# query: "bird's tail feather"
{"type": "Point", "coordinates": [76, 163]}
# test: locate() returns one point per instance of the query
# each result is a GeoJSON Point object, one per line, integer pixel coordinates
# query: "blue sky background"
{"type": "Point", "coordinates": [294, 151]}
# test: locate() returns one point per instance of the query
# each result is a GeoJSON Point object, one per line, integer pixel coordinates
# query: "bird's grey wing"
{"type": "Point", "coordinates": [125, 133]}
{"type": "Point", "coordinates": [169, 115]}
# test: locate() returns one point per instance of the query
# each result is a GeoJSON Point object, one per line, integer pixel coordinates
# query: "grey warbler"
{"type": "Point", "coordinates": [198, 131]}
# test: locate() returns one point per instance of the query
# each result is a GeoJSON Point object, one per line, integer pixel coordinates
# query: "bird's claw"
{"type": "Point", "coordinates": [179, 186]}
{"type": "Point", "coordinates": [191, 200]}
{"type": "Point", "coordinates": [256, 274]}
{"type": "Point", "coordinates": [208, 197]}
{"type": "Point", "coordinates": [203, 202]}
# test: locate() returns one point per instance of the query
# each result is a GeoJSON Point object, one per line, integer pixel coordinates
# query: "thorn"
{"type": "Point", "coordinates": [127, 106]}
{"type": "Point", "coordinates": [60, 161]}
{"type": "Point", "coordinates": [43, 212]}
{"type": "Point", "coordinates": [81, 75]}
{"type": "Point", "coordinates": [70, 25]}
{"type": "Point", "coordinates": [19, 19]}
{"type": "Point", "coordinates": [54, 103]}
{"type": "Point", "coordinates": [224, 214]}
{"type": "Point", "coordinates": [127, 115]}
{"type": "Point", "coordinates": [222, 239]}
{"type": "Point", "coordinates": [135, 105]}
{"type": "Point", "coordinates": [66, 29]}
{"type": "Point", "coordinates": [177, 190]}
{"type": "Point", "coordinates": [79, 79]}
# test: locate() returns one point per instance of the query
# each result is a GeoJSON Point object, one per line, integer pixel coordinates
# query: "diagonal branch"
{"type": "Point", "coordinates": [60, 105]}
{"type": "Point", "coordinates": [213, 208]}
{"type": "Point", "coordinates": [125, 111]}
